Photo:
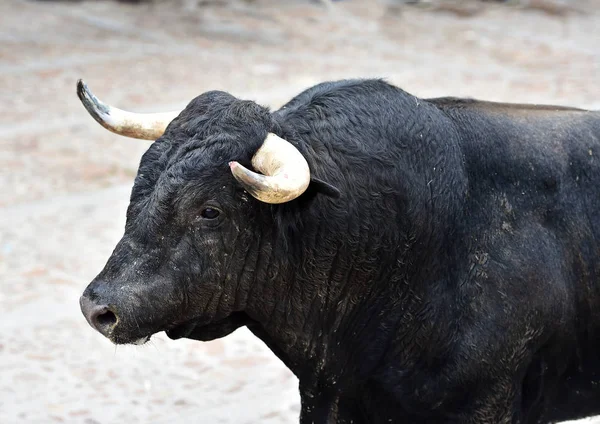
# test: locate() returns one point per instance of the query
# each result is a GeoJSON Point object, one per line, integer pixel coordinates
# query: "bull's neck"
{"type": "Point", "coordinates": [292, 299]}
{"type": "Point", "coordinates": [303, 301]}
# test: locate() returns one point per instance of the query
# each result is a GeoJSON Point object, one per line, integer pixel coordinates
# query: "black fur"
{"type": "Point", "coordinates": [442, 266]}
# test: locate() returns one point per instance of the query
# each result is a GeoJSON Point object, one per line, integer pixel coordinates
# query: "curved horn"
{"type": "Point", "coordinates": [286, 173]}
{"type": "Point", "coordinates": [147, 126]}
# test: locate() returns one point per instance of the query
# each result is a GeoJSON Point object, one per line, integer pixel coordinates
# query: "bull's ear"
{"type": "Point", "coordinates": [322, 187]}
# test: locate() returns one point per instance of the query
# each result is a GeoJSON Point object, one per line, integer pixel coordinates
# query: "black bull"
{"type": "Point", "coordinates": [441, 267]}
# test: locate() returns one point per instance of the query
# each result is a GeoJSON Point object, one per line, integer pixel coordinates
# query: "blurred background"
{"type": "Point", "coordinates": [65, 181]}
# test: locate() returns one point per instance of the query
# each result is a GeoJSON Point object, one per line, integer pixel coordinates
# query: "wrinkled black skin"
{"type": "Point", "coordinates": [454, 280]}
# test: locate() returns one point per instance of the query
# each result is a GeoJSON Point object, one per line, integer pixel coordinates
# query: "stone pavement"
{"type": "Point", "coordinates": [65, 181]}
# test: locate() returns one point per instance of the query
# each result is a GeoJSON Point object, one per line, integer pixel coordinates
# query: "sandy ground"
{"type": "Point", "coordinates": [65, 181]}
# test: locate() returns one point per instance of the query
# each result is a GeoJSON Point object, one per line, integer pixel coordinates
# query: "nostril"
{"type": "Point", "coordinates": [105, 319]}
{"type": "Point", "coordinates": [100, 317]}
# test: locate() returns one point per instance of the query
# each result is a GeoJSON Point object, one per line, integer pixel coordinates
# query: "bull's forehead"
{"type": "Point", "coordinates": [213, 128]}
{"type": "Point", "coordinates": [158, 205]}
{"type": "Point", "coordinates": [191, 159]}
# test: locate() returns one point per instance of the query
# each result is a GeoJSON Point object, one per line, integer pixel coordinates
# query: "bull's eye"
{"type": "Point", "coordinates": [210, 213]}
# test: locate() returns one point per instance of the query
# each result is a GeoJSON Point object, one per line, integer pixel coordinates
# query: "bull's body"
{"type": "Point", "coordinates": [454, 280]}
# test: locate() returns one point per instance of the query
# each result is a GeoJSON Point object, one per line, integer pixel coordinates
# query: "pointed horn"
{"type": "Point", "coordinates": [147, 126]}
{"type": "Point", "coordinates": [286, 173]}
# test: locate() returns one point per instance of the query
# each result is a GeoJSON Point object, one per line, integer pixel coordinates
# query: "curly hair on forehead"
{"type": "Point", "coordinates": [214, 126]}
{"type": "Point", "coordinates": [220, 112]}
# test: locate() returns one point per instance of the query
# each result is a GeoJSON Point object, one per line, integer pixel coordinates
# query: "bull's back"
{"type": "Point", "coordinates": [542, 162]}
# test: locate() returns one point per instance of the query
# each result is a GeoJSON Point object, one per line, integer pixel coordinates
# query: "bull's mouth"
{"type": "Point", "coordinates": [121, 339]}
{"type": "Point", "coordinates": [141, 341]}
{"type": "Point", "coordinates": [198, 330]}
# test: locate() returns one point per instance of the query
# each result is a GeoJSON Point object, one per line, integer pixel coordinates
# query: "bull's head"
{"type": "Point", "coordinates": [194, 239]}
